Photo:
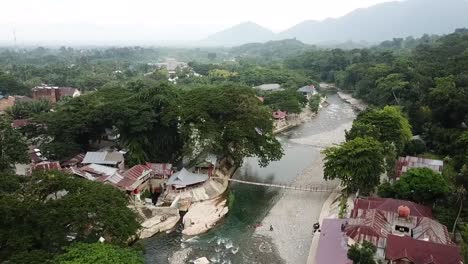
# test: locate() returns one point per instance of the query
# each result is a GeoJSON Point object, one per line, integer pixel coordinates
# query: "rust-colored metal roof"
{"type": "Point", "coordinates": [421, 252]}
{"type": "Point", "coordinates": [47, 165]}
{"type": "Point", "coordinates": [372, 226]}
{"type": "Point", "coordinates": [389, 205]}
{"type": "Point", "coordinates": [131, 176]}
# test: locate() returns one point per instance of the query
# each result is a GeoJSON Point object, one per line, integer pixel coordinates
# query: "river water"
{"type": "Point", "coordinates": [234, 240]}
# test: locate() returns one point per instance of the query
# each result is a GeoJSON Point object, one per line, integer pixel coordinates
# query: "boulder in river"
{"type": "Point", "coordinates": [157, 219]}
{"type": "Point", "coordinates": [203, 216]}
{"type": "Point", "coordinates": [202, 260]}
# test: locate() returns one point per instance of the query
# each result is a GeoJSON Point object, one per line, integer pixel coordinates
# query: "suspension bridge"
{"type": "Point", "coordinates": [314, 187]}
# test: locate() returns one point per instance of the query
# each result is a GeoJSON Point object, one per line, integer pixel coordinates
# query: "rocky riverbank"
{"type": "Point", "coordinates": [357, 104]}
{"type": "Point", "coordinates": [203, 216]}
{"type": "Point", "coordinates": [156, 219]}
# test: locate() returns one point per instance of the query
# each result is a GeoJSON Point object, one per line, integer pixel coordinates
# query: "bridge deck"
{"type": "Point", "coordinates": [307, 188]}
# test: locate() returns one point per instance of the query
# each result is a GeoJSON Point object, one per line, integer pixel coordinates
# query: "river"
{"type": "Point", "coordinates": [237, 239]}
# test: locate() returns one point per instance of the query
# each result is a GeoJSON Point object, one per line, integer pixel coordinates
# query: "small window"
{"type": "Point", "coordinates": [402, 229]}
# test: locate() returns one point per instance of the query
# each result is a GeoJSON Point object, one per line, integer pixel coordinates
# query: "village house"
{"type": "Point", "coordinates": [184, 178]}
{"type": "Point", "coordinates": [113, 159]}
{"type": "Point", "coordinates": [269, 87]}
{"type": "Point", "coordinates": [149, 176]}
{"type": "Point", "coordinates": [308, 91]}
{"type": "Point", "coordinates": [136, 179]}
{"type": "Point", "coordinates": [46, 166]}
{"type": "Point", "coordinates": [399, 229]}
{"type": "Point", "coordinates": [409, 162]}
{"type": "Point", "coordinates": [171, 65]}
{"type": "Point", "coordinates": [53, 93]}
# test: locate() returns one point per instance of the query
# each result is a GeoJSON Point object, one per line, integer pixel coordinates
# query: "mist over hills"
{"type": "Point", "coordinates": [247, 32]}
{"type": "Point", "coordinates": [373, 24]}
{"type": "Point", "coordinates": [362, 27]}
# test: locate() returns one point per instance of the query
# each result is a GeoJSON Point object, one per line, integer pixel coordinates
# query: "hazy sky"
{"type": "Point", "coordinates": [171, 18]}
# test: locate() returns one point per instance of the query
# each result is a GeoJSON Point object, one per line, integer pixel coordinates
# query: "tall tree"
{"type": "Point", "coordinates": [98, 253]}
{"type": "Point", "coordinates": [362, 253]}
{"type": "Point", "coordinates": [49, 210]}
{"type": "Point", "coordinates": [421, 185]}
{"type": "Point", "coordinates": [228, 121]}
{"type": "Point", "coordinates": [358, 163]}
{"type": "Point", "coordinates": [13, 149]}
{"type": "Point", "coordinates": [387, 125]}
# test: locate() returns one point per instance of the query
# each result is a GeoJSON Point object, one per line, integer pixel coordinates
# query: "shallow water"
{"type": "Point", "coordinates": [233, 240]}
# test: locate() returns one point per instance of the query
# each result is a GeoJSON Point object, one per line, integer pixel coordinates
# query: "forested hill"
{"type": "Point", "coordinates": [430, 83]}
{"type": "Point", "coordinates": [272, 49]}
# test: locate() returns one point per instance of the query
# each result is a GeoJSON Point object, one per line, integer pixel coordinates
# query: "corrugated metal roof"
{"type": "Point", "coordinates": [185, 178]}
{"type": "Point", "coordinates": [269, 87]}
{"type": "Point", "coordinates": [389, 205]}
{"type": "Point", "coordinates": [99, 169]}
{"type": "Point", "coordinates": [372, 226]}
{"type": "Point", "coordinates": [431, 230]}
{"type": "Point", "coordinates": [47, 165]}
{"type": "Point", "coordinates": [421, 252]}
{"type": "Point", "coordinates": [110, 158]}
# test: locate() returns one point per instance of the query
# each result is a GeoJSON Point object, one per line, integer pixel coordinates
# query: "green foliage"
{"type": "Point", "coordinates": [387, 125]}
{"type": "Point", "coordinates": [13, 149]}
{"type": "Point", "coordinates": [358, 163]}
{"type": "Point", "coordinates": [415, 147]}
{"type": "Point", "coordinates": [421, 185]}
{"type": "Point", "coordinates": [98, 253]}
{"type": "Point", "coordinates": [48, 210]}
{"type": "Point", "coordinates": [314, 103]}
{"type": "Point", "coordinates": [10, 86]}
{"type": "Point", "coordinates": [228, 121]}
{"type": "Point", "coordinates": [465, 242]}
{"type": "Point", "coordinates": [448, 102]}
{"type": "Point", "coordinates": [343, 206]}
{"type": "Point", "coordinates": [386, 190]}
{"type": "Point", "coordinates": [23, 110]}
{"type": "Point", "coordinates": [289, 101]}
{"type": "Point", "coordinates": [362, 253]}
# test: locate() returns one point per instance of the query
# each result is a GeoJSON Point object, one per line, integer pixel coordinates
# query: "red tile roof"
{"type": "Point", "coordinates": [389, 205]}
{"type": "Point", "coordinates": [421, 252]}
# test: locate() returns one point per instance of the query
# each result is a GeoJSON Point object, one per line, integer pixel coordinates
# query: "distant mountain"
{"type": "Point", "coordinates": [385, 21]}
{"type": "Point", "coordinates": [247, 32]}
